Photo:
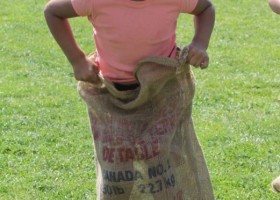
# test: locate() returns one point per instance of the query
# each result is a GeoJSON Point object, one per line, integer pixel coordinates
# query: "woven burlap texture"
{"type": "Point", "coordinates": [145, 144]}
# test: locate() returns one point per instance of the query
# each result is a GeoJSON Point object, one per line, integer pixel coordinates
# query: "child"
{"type": "Point", "coordinates": [117, 30]}
{"type": "Point", "coordinates": [125, 32]}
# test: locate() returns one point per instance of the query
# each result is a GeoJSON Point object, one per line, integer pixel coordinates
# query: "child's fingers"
{"type": "Point", "coordinates": [197, 57]}
{"type": "Point", "coordinates": [199, 60]}
{"type": "Point", "coordinates": [204, 63]}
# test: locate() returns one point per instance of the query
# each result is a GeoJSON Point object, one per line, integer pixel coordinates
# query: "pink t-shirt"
{"type": "Point", "coordinates": [126, 31]}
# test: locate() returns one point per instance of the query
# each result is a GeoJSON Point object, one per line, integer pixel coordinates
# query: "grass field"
{"type": "Point", "coordinates": [46, 147]}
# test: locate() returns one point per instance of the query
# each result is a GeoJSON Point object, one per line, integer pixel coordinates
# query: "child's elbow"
{"type": "Point", "coordinates": [51, 9]}
{"type": "Point", "coordinates": [274, 5]}
{"type": "Point", "coordinates": [48, 10]}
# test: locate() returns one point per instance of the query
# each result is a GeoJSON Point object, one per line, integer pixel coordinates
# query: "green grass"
{"type": "Point", "coordinates": [46, 147]}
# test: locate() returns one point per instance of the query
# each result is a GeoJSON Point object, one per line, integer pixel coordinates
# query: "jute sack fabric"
{"type": "Point", "coordinates": [145, 144]}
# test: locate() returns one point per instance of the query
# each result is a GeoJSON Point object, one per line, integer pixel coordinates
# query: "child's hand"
{"type": "Point", "coordinates": [85, 70]}
{"type": "Point", "coordinates": [197, 56]}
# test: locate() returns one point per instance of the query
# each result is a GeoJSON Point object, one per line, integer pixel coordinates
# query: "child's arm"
{"type": "Point", "coordinates": [204, 20]}
{"type": "Point", "coordinates": [56, 13]}
{"type": "Point", "coordinates": [275, 6]}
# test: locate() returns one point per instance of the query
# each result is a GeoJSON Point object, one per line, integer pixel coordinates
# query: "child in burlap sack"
{"type": "Point", "coordinates": [138, 87]}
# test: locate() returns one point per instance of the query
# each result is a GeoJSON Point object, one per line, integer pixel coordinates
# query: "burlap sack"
{"type": "Point", "coordinates": [145, 144]}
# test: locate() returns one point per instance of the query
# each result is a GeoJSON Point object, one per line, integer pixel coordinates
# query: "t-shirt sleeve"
{"type": "Point", "coordinates": [83, 7]}
{"type": "Point", "coordinates": [188, 5]}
